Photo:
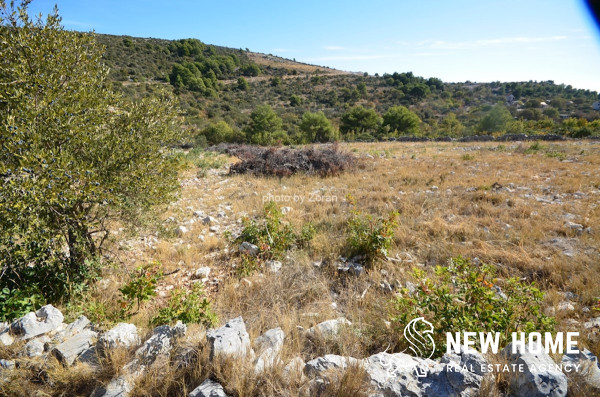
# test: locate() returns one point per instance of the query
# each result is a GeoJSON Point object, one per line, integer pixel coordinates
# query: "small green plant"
{"type": "Point", "coordinates": [140, 288]}
{"type": "Point", "coordinates": [556, 154]}
{"type": "Point", "coordinates": [272, 235]}
{"type": "Point", "coordinates": [189, 306]}
{"type": "Point", "coordinates": [205, 161]}
{"type": "Point", "coordinates": [16, 303]}
{"type": "Point", "coordinates": [463, 297]}
{"type": "Point", "coordinates": [534, 148]}
{"type": "Point", "coordinates": [368, 236]}
{"type": "Point", "coordinates": [248, 266]}
{"type": "Point", "coordinates": [467, 157]}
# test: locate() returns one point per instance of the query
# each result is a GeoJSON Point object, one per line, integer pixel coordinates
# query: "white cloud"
{"type": "Point", "coordinates": [77, 24]}
{"type": "Point", "coordinates": [348, 58]}
{"type": "Point", "coordinates": [333, 48]}
{"type": "Point", "coordinates": [477, 44]}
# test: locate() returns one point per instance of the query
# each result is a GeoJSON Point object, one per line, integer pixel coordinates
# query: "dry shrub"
{"type": "Point", "coordinates": [328, 160]}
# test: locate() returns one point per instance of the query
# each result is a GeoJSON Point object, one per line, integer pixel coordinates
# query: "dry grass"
{"type": "Point", "coordinates": [499, 204]}
{"type": "Point", "coordinates": [449, 206]}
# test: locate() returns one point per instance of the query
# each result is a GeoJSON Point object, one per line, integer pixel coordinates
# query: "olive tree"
{"type": "Point", "coordinates": [74, 155]}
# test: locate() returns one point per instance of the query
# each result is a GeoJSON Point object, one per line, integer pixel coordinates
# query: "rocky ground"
{"type": "Point", "coordinates": [44, 335]}
{"type": "Point", "coordinates": [314, 322]}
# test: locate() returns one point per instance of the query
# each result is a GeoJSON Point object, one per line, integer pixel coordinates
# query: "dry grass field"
{"type": "Point", "coordinates": [530, 209]}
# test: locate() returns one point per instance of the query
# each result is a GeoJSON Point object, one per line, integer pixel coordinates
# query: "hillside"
{"type": "Point", "coordinates": [217, 83]}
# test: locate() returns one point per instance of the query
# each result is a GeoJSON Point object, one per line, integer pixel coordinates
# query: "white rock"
{"type": "Point", "coordinates": [35, 347]}
{"type": "Point", "coordinates": [121, 335]}
{"type": "Point", "coordinates": [181, 230]}
{"type": "Point", "coordinates": [328, 362]}
{"type": "Point", "coordinates": [208, 388]}
{"type": "Point", "coordinates": [565, 306]}
{"type": "Point", "coordinates": [248, 249]}
{"type": "Point", "coordinates": [588, 372]}
{"type": "Point", "coordinates": [329, 328]}
{"type": "Point", "coordinates": [230, 339]}
{"type": "Point", "coordinates": [67, 351]}
{"type": "Point", "coordinates": [540, 377]}
{"type": "Point", "coordinates": [593, 323]}
{"type": "Point", "coordinates": [267, 347]}
{"type": "Point", "coordinates": [46, 319]}
{"type": "Point", "coordinates": [273, 266]}
{"type": "Point", "coordinates": [202, 272]}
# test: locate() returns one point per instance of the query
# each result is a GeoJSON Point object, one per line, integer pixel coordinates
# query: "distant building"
{"type": "Point", "coordinates": [510, 98]}
{"type": "Point", "coordinates": [596, 105]}
{"type": "Point", "coordinates": [543, 104]}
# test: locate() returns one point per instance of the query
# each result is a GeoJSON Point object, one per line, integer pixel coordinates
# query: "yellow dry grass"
{"type": "Point", "coordinates": [500, 203]}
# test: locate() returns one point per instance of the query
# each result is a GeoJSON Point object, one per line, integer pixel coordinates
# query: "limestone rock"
{"type": "Point", "coordinates": [46, 319]}
{"type": "Point", "coordinates": [160, 343]}
{"type": "Point", "coordinates": [273, 266]}
{"type": "Point", "coordinates": [35, 347]}
{"type": "Point", "coordinates": [208, 388]}
{"type": "Point", "coordinates": [67, 351]}
{"type": "Point", "coordinates": [181, 230]}
{"type": "Point", "coordinates": [589, 372]}
{"type": "Point", "coordinates": [316, 367]}
{"type": "Point", "coordinates": [539, 378]}
{"type": "Point", "coordinates": [230, 339]}
{"type": "Point", "coordinates": [202, 272]}
{"type": "Point", "coordinates": [268, 346]}
{"type": "Point", "coordinates": [248, 249]}
{"type": "Point", "coordinates": [329, 328]}
{"type": "Point", "coordinates": [121, 335]}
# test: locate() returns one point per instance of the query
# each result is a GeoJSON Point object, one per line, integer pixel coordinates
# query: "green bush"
{"type": "Point", "coordinates": [140, 288]}
{"type": "Point", "coordinates": [272, 235]}
{"type": "Point", "coordinates": [17, 303]}
{"type": "Point", "coordinates": [73, 155]}
{"type": "Point", "coordinates": [463, 297]}
{"type": "Point", "coordinates": [370, 237]}
{"type": "Point", "coordinates": [189, 306]}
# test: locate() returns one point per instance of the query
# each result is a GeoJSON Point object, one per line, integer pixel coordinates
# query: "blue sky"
{"type": "Point", "coordinates": [458, 40]}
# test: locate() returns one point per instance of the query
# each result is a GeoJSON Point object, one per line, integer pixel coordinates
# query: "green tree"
{"type": "Point", "coordinates": [451, 126]}
{"type": "Point", "coordinates": [242, 84]}
{"type": "Point", "coordinates": [360, 120]}
{"type": "Point", "coordinates": [497, 119]}
{"type": "Point", "coordinates": [219, 132]}
{"type": "Point", "coordinates": [264, 126]}
{"type": "Point", "coordinates": [73, 154]}
{"type": "Point", "coordinates": [295, 100]}
{"type": "Point", "coordinates": [418, 92]}
{"type": "Point", "coordinates": [401, 120]}
{"type": "Point", "coordinates": [251, 70]}
{"type": "Point", "coordinates": [316, 127]}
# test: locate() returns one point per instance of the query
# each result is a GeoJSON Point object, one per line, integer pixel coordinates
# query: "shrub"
{"type": "Point", "coordinates": [189, 306]}
{"type": "Point", "coordinates": [73, 155]}
{"type": "Point", "coordinates": [328, 161]}
{"type": "Point", "coordinates": [140, 288]}
{"type": "Point", "coordinates": [370, 237]}
{"type": "Point", "coordinates": [273, 236]}
{"type": "Point", "coordinates": [17, 303]}
{"type": "Point", "coordinates": [464, 297]}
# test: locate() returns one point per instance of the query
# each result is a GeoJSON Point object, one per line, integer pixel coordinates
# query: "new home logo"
{"type": "Point", "coordinates": [419, 335]}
